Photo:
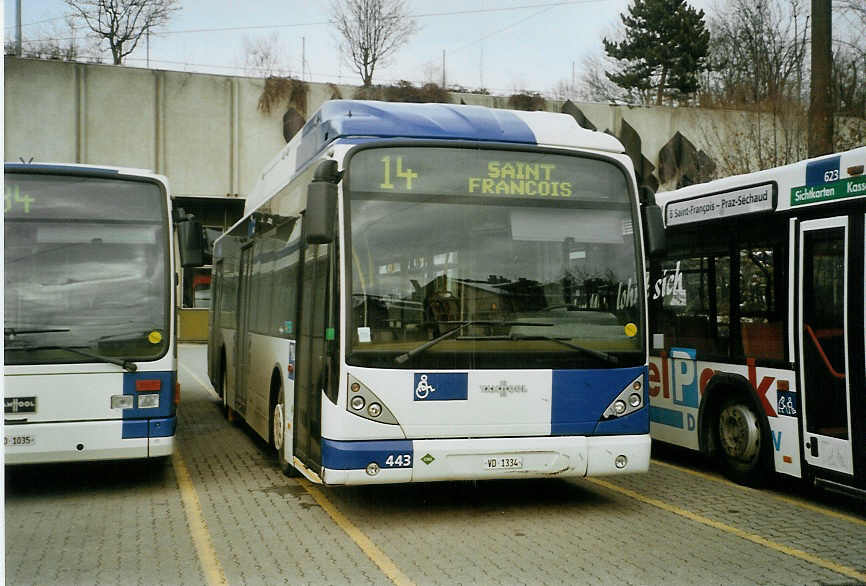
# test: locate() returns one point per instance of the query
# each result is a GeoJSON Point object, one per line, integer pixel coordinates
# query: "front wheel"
{"type": "Point", "coordinates": [278, 426]}
{"type": "Point", "coordinates": [743, 447]}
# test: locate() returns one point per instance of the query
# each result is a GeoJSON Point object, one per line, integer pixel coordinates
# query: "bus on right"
{"type": "Point", "coordinates": [757, 322]}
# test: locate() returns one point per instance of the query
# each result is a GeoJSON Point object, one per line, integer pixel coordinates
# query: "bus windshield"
{"type": "Point", "coordinates": [85, 269]}
{"type": "Point", "coordinates": [481, 258]}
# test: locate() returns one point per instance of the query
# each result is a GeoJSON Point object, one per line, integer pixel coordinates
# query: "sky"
{"type": "Point", "coordinates": [501, 45]}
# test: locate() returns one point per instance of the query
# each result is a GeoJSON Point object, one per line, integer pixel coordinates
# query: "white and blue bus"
{"type": "Point", "coordinates": [423, 292]}
{"type": "Point", "coordinates": [757, 314]}
{"type": "Point", "coordinates": [89, 346]}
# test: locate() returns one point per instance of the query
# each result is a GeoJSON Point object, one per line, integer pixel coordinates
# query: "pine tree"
{"type": "Point", "coordinates": [665, 49]}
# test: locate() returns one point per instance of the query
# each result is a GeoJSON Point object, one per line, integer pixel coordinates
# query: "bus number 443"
{"type": "Point", "coordinates": [399, 461]}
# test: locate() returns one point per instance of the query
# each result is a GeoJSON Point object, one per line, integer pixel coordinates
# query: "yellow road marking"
{"type": "Point", "coordinates": [388, 567]}
{"type": "Point", "coordinates": [787, 499]}
{"type": "Point", "coordinates": [799, 554]}
{"type": "Point", "coordinates": [210, 565]}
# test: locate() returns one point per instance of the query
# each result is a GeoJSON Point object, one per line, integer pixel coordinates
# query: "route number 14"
{"type": "Point", "coordinates": [400, 172]}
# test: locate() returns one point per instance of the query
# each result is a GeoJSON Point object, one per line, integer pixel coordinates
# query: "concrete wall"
{"type": "Point", "coordinates": [204, 132]}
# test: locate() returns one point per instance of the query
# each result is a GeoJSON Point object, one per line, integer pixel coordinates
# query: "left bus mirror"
{"type": "Point", "coordinates": [190, 242]}
{"type": "Point", "coordinates": [320, 219]}
{"type": "Point", "coordinates": [656, 241]}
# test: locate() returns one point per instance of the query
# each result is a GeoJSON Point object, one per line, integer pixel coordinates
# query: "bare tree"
{"type": "Point", "coordinates": [122, 23]}
{"type": "Point", "coordinates": [371, 31]}
{"type": "Point", "coordinates": [265, 56]}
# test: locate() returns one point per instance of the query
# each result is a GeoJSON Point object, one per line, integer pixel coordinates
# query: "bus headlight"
{"type": "Point", "coordinates": [629, 400]}
{"type": "Point", "coordinates": [363, 402]}
{"type": "Point", "coordinates": [121, 401]}
{"type": "Point", "coordinates": [148, 401]}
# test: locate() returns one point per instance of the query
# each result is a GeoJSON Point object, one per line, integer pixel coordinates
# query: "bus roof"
{"type": "Point", "coordinates": [75, 168]}
{"type": "Point", "coordinates": [350, 121]}
{"type": "Point", "coordinates": [834, 177]}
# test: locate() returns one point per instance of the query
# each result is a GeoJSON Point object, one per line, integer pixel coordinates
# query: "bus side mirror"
{"type": "Point", "coordinates": [320, 219]}
{"type": "Point", "coordinates": [190, 241]}
{"type": "Point", "coordinates": [656, 241]}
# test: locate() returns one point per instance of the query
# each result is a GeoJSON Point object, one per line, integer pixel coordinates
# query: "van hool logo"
{"type": "Point", "coordinates": [503, 389]}
{"type": "Point", "coordinates": [20, 405]}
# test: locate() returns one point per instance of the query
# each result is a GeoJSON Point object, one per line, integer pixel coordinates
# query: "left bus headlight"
{"type": "Point", "coordinates": [364, 403]}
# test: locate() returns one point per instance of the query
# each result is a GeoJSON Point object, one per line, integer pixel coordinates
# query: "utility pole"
{"type": "Point", "coordinates": [147, 43]}
{"type": "Point", "coordinates": [443, 68]}
{"type": "Point", "coordinates": [303, 56]}
{"type": "Point", "coordinates": [820, 89]}
{"type": "Point", "coordinates": [18, 41]}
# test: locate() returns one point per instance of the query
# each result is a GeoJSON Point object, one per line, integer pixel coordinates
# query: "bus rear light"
{"type": "Point", "coordinates": [363, 402]}
{"type": "Point", "coordinates": [148, 401]}
{"type": "Point", "coordinates": [176, 394]}
{"type": "Point", "coordinates": [121, 401]}
{"type": "Point", "coordinates": [374, 410]}
{"type": "Point", "coordinates": [357, 402]}
{"type": "Point", "coordinates": [635, 400]}
{"type": "Point", "coordinates": [619, 407]}
{"type": "Point", "coordinates": [148, 384]}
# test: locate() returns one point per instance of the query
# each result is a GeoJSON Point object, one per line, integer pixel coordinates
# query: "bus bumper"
{"type": "Point", "coordinates": [389, 461]}
{"type": "Point", "coordinates": [79, 442]}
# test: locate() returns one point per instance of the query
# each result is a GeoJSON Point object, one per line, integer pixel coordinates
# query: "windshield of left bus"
{"type": "Point", "coordinates": [86, 271]}
{"type": "Point", "coordinates": [481, 258]}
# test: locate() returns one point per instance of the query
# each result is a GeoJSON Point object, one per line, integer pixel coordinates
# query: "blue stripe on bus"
{"type": "Point", "coordinates": [581, 396]}
{"type": "Point", "coordinates": [351, 455]}
{"type": "Point", "coordinates": [142, 428]}
{"type": "Point", "coordinates": [668, 417]}
{"type": "Point", "coordinates": [816, 171]}
{"type": "Point", "coordinates": [350, 118]}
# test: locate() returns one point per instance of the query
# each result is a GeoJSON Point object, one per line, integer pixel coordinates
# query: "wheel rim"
{"type": "Point", "coordinates": [278, 426]}
{"type": "Point", "coordinates": [739, 432]}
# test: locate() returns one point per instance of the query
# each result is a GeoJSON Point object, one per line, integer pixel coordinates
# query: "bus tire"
{"type": "Point", "coordinates": [742, 442]}
{"type": "Point", "coordinates": [228, 412]}
{"type": "Point", "coordinates": [277, 439]}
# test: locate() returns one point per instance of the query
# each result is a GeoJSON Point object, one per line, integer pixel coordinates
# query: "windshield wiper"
{"type": "Point", "coordinates": [609, 358]}
{"type": "Point", "coordinates": [12, 332]}
{"type": "Point", "coordinates": [126, 364]}
{"type": "Point", "coordinates": [452, 332]}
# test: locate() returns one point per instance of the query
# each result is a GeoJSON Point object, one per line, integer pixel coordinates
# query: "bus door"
{"type": "Point", "coordinates": [243, 344]}
{"type": "Point", "coordinates": [311, 354]}
{"type": "Point", "coordinates": [824, 344]}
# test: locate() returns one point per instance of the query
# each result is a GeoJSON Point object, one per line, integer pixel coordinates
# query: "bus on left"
{"type": "Point", "coordinates": [89, 332]}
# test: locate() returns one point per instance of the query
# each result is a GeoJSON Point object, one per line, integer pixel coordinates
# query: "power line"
{"type": "Point", "coordinates": [419, 15]}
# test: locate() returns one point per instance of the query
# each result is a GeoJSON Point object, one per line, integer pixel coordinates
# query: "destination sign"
{"type": "Point", "coordinates": [750, 200]}
{"type": "Point", "coordinates": [486, 173]}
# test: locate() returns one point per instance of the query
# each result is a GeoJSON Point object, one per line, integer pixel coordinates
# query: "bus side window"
{"type": "Point", "coordinates": [695, 309]}
{"type": "Point", "coordinates": [760, 320]}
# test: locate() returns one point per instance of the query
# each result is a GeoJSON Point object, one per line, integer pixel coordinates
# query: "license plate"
{"type": "Point", "coordinates": [17, 441]}
{"type": "Point", "coordinates": [503, 463]}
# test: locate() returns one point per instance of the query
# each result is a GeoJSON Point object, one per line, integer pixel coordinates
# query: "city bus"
{"type": "Point", "coordinates": [422, 292]}
{"type": "Point", "coordinates": [757, 313]}
{"type": "Point", "coordinates": [89, 331]}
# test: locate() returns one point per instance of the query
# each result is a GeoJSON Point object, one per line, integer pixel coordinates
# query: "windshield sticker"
{"type": "Point", "coordinates": [630, 330]}
{"type": "Point", "coordinates": [154, 337]}
{"type": "Point", "coordinates": [364, 335]}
